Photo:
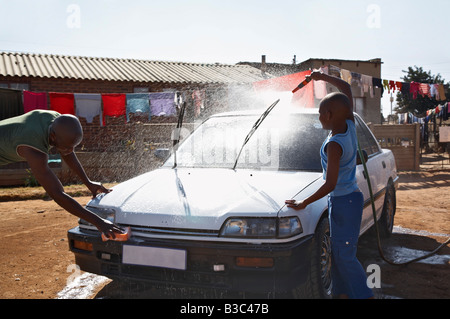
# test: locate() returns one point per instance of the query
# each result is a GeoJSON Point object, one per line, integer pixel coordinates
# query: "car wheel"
{"type": "Point", "coordinates": [319, 281]}
{"type": "Point", "coordinates": [386, 222]}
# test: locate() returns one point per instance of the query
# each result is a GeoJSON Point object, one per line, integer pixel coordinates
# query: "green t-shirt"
{"type": "Point", "coordinates": [30, 129]}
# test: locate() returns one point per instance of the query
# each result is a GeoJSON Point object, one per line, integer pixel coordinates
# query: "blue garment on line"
{"type": "Point", "coordinates": [138, 102]}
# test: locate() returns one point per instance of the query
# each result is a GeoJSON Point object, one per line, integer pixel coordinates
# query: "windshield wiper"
{"type": "Point", "coordinates": [254, 128]}
{"type": "Point", "coordinates": [176, 134]}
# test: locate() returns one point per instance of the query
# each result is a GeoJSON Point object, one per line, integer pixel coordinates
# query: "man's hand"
{"type": "Point", "coordinates": [109, 229]}
{"type": "Point", "coordinates": [295, 205]}
{"type": "Point", "coordinates": [97, 188]}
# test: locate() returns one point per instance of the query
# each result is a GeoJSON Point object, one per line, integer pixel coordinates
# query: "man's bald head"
{"type": "Point", "coordinates": [66, 133]}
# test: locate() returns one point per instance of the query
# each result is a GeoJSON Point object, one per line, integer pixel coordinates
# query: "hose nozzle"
{"type": "Point", "coordinates": [306, 81]}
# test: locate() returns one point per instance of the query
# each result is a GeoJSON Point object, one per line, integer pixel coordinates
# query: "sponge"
{"type": "Point", "coordinates": [119, 237]}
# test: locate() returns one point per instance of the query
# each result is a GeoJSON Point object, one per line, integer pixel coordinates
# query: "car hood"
{"type": "Point", "coordinates": [201, 198]}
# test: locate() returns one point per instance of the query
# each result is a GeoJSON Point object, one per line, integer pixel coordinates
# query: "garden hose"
{"type": "Point", "coordinates": [380, 250]}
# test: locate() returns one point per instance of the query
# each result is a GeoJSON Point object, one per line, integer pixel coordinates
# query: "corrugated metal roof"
{"type": "Point", "coordinates": [92, 68]}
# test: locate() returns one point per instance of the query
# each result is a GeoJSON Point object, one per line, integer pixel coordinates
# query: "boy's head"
{"type": "Point", "coordinates": [334, 109]}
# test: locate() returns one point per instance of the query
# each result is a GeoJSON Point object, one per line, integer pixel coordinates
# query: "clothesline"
{"type": "Point", "coordinates": [89, 105]}
{"type": "Point", "coordinates": [441, 111]}
{"type": "Point", "coordinates": [368, 83]}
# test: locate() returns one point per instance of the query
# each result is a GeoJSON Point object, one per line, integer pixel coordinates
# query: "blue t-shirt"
{"type": "Point", "coordinates": [346, 182]}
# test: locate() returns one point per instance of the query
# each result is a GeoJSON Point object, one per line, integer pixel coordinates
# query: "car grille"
{"type": "Point", "coordinates": [136, 231]}
{"type": "Point", "coordinates": [143, 231]}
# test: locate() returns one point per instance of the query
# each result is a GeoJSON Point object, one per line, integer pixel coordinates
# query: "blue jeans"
{"type": "Point", "coordinates": [348, 276]}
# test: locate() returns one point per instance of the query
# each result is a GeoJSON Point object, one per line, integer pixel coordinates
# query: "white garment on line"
{"type": "Point", "coordinates": [88, 106]}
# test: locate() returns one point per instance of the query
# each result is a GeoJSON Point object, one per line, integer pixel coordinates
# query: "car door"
{"type": "Point", "coordinates": [376, 170]}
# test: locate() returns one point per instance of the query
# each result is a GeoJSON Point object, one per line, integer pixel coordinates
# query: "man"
{"type": "Point", "coordinates": [30, 136]}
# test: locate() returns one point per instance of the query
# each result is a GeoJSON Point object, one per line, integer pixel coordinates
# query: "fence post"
{"type": "Point", "coordinates": [416, 146]}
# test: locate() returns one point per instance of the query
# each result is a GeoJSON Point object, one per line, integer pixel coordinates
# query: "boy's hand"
{"type": "Point", "coordinates": [315, 75]}
{"type": "Point", "coordinates": [295, 205]}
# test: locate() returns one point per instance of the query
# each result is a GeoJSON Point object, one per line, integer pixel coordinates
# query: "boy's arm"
{"type": "Point", "coordinates": [334, 153]}
{"type": "Point", "coordinates": [342, 86]}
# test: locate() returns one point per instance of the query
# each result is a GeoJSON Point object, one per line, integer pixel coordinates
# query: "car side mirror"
{"type": "Point", "coordinates": [358, 159]}
{"type": "Point", "coordinates": [162, 153]}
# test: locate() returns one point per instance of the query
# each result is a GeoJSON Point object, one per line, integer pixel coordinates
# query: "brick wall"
{"type": "Point", "coordinates": [118, 150]}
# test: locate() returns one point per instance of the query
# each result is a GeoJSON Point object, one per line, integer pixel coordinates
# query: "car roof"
{"type": "Point", "coordinates": [293, 110]}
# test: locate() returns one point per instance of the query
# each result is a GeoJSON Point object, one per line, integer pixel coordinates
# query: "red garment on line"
{"type": "Point", "coordinates": [33, 101]}
{"type": "Point", "coordinates": [414, 89]}
{"type": "Point", "coordinates": [114, 105]}
{"type": "Point", "coordinates": [62, 103]}
{"type": "Point", "coordinates": [424, 90]}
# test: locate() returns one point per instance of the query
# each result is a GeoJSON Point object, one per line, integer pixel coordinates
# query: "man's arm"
{"type": "Point", "coordinates": [38, 162]}
{"type": "Point", "coordinates": [75, 165]}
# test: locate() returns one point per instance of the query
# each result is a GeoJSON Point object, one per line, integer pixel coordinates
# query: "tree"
{"type": "Point", "coordinates": [420, 105]}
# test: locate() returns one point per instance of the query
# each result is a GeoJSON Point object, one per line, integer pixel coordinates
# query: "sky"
{"type": "Point", "coordinates": [402, 33]}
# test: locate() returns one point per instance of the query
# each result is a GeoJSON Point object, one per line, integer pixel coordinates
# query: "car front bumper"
{"type": "Point", "coordinates": [208, 264]}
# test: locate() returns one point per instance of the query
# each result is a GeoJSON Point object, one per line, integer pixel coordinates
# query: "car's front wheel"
{"type": "Point", "coordinates": [386, 221]}
{"type": "Point", "coordinates": [319, 282]}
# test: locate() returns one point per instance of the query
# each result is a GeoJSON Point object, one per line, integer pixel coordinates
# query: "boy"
{"type": "Point", "coordinates": [345, 201]}
{"type": "Point", "coordinates": [30, 136]}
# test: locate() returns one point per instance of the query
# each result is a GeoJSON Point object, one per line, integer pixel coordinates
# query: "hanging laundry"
{"type": "Point", "coordinates": [346, 75]}
{"type": "Point", "coordinates": [199, 97]}
{"type": "Point", "coordinates": [376, 82]}
{"type": "Point", "coordinates": [138, 103]}
{"type": "Point", "coordinates": [11, 103]}
{"type": "Point", "coordinates": [424, 89]}
{"type": "Point", "coordinates": [406, 88]}
{"type": "Point", "coordinates": [366, 81]}
{"type": "Point", "coordinates": [386, 85]}
{"type": "Point", "coordinates": [399, 85]}
{"type": "Point", "coordinates": [445, 114]}
{"type": "Point", "coordinates": [414, 89]}
{"type": "Point", "coordinates": [434, 91]}
{"type": "Point", "coordinates": [163, 104]}
{"type": "Point", "coordinates": [33, 101]}
{"type": "Point", "coordinates": [441, 91]}
{"type": "Point", "coordinates": [356, 79]}
{"type": "Point", "coordinates": [62, 103]}
{"type": "Point", "coordinates": [113, 105]}
{"type": "Point", "coordinates": [88, 106]}
{"type": "Point", "coordinates": [392, 86]}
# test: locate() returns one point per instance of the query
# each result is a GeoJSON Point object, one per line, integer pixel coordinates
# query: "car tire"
{"type": "Point", "coordinates": [386, 222]}
{"type": "Point", "coordinates": [318, 285]}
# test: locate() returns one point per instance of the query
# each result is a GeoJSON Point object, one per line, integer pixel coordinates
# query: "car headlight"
{"type": "Point", "coordinates": [105, 213]}
{"type": "Point", "coordinates": [250, 227]}
{"type": "Point", "coordinates": [289, 226]}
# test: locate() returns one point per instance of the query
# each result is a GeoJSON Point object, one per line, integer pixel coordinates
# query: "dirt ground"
{"type": "Point", "coordinates": [35, 261]}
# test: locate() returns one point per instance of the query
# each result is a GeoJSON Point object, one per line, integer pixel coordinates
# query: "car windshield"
{"type": "Point", "coordinates": [282, 142]}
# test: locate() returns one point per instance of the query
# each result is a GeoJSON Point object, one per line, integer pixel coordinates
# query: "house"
{"type": "Point", "coordinates": [121, 149]}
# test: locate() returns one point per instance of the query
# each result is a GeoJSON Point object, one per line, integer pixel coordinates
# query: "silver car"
{"type": "Point", "coordinates": [215, 217]}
